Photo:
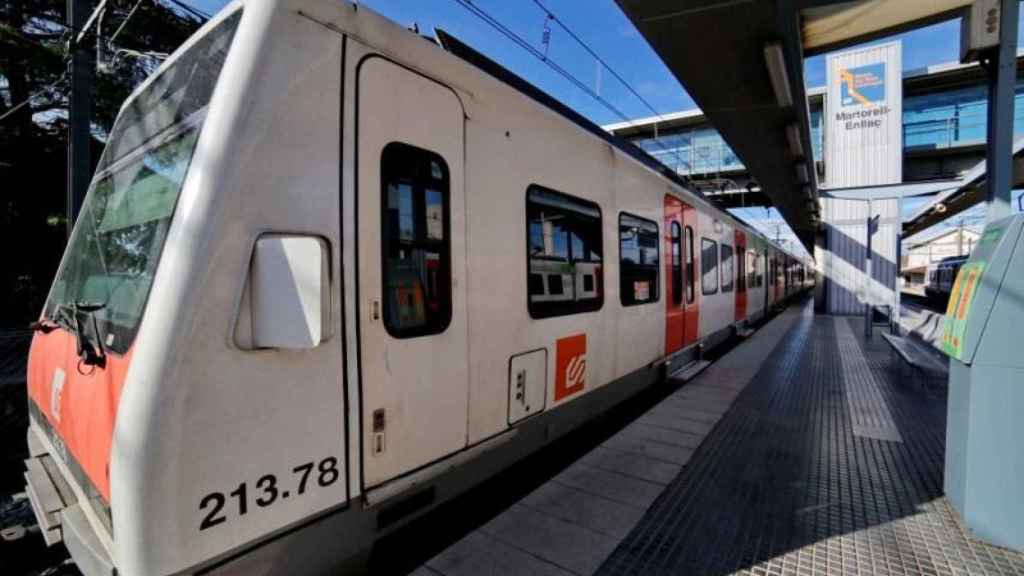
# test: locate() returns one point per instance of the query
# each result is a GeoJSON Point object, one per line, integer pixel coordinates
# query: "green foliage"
{"type": "Point", "coordinates": [33, 139]}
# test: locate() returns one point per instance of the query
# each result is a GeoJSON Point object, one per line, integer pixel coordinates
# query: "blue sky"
{"type": "Point", "coordinates": [611, 35]}
{"type": "Point", "coordinates": [606, 29]}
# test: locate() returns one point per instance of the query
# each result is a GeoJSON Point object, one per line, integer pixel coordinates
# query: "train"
{"type": "Point", "coordinates": [941, 276]}
{"type": "Point", "coordinates": [331, 273]}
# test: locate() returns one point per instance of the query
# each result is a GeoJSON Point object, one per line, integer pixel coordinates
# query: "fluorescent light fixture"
{"type": "Point", "coordinates": [793, 135]}
{"type": "Point", "coordinates": [801, 172]}
{"type": "Point", "coordinates": [776, 63]}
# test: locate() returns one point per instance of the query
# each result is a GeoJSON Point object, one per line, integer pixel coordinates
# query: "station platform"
{"type": "Point", "coordinates": [807, 449]}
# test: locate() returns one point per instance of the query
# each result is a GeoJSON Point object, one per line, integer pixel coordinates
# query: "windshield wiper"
{"type": "Point", "coordinates": [95, 354]}
{"type": "Point", "coordinates": [45, 326]}
{"type": "Point", "coordinates": [89, 345]}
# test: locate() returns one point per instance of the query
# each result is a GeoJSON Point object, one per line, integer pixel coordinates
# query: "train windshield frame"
{"type": "Point", "coordinates": [114, 250]}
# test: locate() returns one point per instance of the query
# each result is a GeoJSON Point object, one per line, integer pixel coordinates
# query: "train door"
{"type": "Point", "coordinates": [411, 270]}
{"type": "Point", "coordinates": [740, 239]}
{"type": "Point", "coordinates": [681, 308]}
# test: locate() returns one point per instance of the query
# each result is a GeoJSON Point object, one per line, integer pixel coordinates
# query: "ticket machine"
{"type": "Point", "coordinates": [984, 338]}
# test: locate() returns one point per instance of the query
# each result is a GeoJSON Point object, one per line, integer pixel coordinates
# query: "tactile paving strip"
{"type": "Point", "coordinates": [869, 411]}
{"type": "Point", "coordinates": [784, 486]}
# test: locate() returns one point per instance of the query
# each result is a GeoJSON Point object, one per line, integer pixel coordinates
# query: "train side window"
{"type": "Point", "coordinates": [638, 260]}
{"type": "Point", "coordinates": [751, 269]}
{"type": "Point", "coordinates": [416, 250]}
{"type": "Point", "coordinates": [690, 272]}
{"type": "Point", "coordinates": [727, 268]}
{"type": "Point", "coordinates": [708, 266]}
{"type": "Point", "coordinates": [677, 263]}
{"type": "Point", "coordinates": [563, 240]}
{"type": "Point", "coordinates": [741, 269]}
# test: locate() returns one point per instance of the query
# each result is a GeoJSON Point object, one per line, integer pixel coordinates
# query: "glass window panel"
{"type": "Point", "coordinates": [708, 266]}
{"type": "Point", "coordinates": [565, 247]}
{"type": "Point", "coordinates": [417, 257]}
{"type": "Point", "coordinates": [727, 268]}
{"type": "Point", "coordinates": [117, 243]}
{"type": "Point", "coordinates": [677, 263]}
{"type": "Point", "coordinates": [690, 272]}
{"type": "Point", "coordinates": [638, 260]}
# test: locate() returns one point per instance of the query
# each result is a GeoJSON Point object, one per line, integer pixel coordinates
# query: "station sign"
{"type": "Point", "coordinates": [864, 117]}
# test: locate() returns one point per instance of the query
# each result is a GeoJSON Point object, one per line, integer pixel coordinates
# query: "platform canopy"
{"type": "Point", "coordinates": [966, 191]}
{"type": "Point", "coordinates": [720, 51]}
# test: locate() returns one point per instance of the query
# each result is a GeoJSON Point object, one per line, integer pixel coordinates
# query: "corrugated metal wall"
{"type": "Point", "coordinates": [846, 285]}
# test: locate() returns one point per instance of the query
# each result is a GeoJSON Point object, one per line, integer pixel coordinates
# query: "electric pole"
{"type": "Point", "coordinates": [79, 111]}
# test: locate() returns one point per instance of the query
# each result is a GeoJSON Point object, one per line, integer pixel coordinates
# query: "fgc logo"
{"type": "Point", "coordinates": [570, 365]}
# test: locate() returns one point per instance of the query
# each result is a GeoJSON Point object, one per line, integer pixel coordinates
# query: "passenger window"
{"type": "Point", "coordinates": [690, 272]}
{"type": "Point", "coordinates": [415, 245]}
{"type": "Point", "coordinates": [677, 263]}
{"type": "Point", "coordinates": [638, 260]}
{"type": "Point", "coordinates": [727, 271]}
{"type": "Point", "coordinates": [564, 245]}
{"type": "Point", "coordinates": [751, 269]}
{"type": "Point", "coordinates": [708, 266]}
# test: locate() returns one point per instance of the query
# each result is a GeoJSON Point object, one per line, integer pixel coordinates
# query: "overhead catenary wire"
{"type": "Point", "coordinates": [511, 35]}
{"type": "Point", "coordinates": [110, 41]}
{"type": "Point", "coordinates": [600, 60]}
{"type": "Point", "coordinates": [63, 77]}
{"type": "Point", "coordinates": [551, 16]}
{"type": "Point", "coordinates": [526, 45]}
{"type": "Point", "coordinates": [34, 95]}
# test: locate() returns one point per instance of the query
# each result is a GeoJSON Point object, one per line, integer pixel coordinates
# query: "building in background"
{"type": "Point", "coordinates": [919, 254]}
{"type": "Point", "coordinates": [944, 128]}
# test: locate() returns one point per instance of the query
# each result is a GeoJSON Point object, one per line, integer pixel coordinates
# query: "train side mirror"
{"type": "Point", "coordinates": [289, 292]}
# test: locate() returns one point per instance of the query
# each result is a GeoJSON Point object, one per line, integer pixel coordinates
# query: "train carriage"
{"type": "Point", "coordinates": [330, 274]}
{"type": "Point", "coordinates": [941, 277]}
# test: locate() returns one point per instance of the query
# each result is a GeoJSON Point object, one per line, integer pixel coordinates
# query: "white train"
{"type": "Point", "coordinates": [330, 274]}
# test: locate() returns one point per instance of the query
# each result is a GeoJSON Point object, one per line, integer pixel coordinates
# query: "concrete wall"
{"type": "Point", "coordinates": [842, 257]}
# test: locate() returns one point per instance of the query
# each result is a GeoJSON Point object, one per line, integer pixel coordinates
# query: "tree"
{"type": "Point", "coordinates": [33, 137]}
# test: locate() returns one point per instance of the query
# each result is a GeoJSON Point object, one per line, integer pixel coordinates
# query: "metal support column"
{"type": "Point", "coordinates": [869, 301]}
{"type": "Point", "coordinates": [79, 112]}
{"type": "Point", "coordinates": [1001, 68]}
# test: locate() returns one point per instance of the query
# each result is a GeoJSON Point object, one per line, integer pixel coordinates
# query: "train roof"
{"type": "Point", "coordinates": [460, 49]}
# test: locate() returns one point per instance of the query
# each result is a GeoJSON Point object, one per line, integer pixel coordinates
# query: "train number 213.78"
{"type": "Point", "coordinates": [268, 491]}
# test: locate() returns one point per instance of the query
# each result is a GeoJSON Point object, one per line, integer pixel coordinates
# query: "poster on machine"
{"type": "Point", "coordinates": [864, 117]}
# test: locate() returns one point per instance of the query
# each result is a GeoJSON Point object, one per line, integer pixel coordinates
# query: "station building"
{"type": "Point", "coordinates": [944, 130]}
{"type": "Point", "coordinates": [932, 249]}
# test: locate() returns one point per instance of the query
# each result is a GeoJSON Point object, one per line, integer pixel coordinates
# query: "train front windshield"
{"type": "Point", "coordinates": [117, 241]}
